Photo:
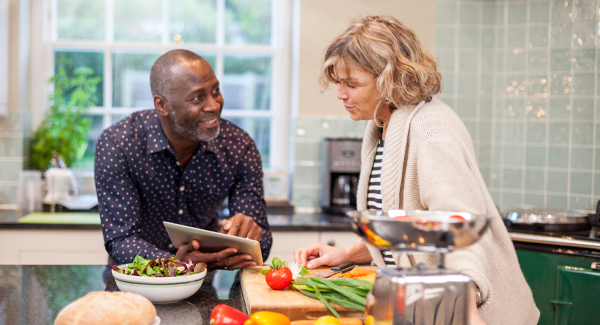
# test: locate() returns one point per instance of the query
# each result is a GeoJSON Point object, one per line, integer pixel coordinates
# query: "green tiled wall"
{"type": "Point", "coordinates": [308, 138]}
{"type": "Point", "coordinates": [523, 76]}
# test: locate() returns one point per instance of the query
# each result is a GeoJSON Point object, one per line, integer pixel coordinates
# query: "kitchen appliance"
{"type": "Point", "coordinates": [423, 294]}
{"type": "Point", "coordinates": [340, 172]}
{"type": "Point", "coordinates": [546, 220]}
{"type": "Point", "coordinates": [61, 183]}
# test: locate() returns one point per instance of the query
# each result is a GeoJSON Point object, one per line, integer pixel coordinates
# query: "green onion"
{"type": "Point", "coordinates": [348, 293]}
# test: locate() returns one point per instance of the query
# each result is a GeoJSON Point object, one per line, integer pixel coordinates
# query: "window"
{"type": "Point", "coordinates": [243, 40]}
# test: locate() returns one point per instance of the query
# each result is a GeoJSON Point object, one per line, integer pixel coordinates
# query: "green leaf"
{"type": "Point", "coordinates": [277, 262]}
{"type": "Point", "coordinates": [264, 272]}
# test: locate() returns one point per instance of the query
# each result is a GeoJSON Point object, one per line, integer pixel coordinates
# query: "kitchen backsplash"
{"type": "Point", "coordinates": [523, 77]}
{"type": "Point", "coordinates": [13, 146]}
{"type": "Point", "coordinates": [308, 136]}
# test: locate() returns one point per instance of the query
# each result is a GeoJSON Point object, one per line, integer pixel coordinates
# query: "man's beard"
{"type": "Point", "coordinates": [193, 131]}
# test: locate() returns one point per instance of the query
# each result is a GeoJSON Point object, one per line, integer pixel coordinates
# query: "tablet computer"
{"type": "Point", "coordinates": [213, 241]}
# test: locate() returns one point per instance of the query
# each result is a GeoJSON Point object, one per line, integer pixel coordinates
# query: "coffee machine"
{"type": "Point", "coordinates": [419, 295]}
{"type": "Point", "coordinates": [340, 171]}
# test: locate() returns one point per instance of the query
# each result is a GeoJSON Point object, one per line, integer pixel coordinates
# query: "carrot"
{"type": "Point", "coordinates": [358, 272]}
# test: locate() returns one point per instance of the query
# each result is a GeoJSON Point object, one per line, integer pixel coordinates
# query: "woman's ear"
{"type": "Point", "coordinates": [162, 105]}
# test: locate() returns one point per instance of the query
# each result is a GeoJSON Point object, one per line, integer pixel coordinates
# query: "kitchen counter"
{"type": "Point", "coordinates": [305, 222]}
{"type": "Point", "coordinates": [9, 219]}
{"type": "Point", "coordinates": [34, 294]}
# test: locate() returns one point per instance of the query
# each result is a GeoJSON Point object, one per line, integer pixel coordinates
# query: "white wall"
{"type": "Point", "coordinates": [322, 20]}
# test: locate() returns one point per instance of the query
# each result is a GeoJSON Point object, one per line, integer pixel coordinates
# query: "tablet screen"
{"type": "Point", "coordinates": [211, 241]}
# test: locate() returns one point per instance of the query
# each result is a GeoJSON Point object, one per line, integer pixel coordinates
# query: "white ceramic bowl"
{"type": "Point", "coordinates": [165, 290]}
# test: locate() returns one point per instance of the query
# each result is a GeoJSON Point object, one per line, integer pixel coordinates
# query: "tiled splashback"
{"type": "Point", "coordinates": [13, 144]}
{"type": "Point", "coordinates": [523, 77]}
{"type": "Point", "coordinates": [309, 133]}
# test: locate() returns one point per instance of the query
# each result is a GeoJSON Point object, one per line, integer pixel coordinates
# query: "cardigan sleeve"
{"type": "Point", "coordinates": [450, 181]}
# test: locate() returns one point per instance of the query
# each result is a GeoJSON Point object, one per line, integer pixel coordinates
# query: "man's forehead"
{"type": "Point", "coordinates": [200, 68]}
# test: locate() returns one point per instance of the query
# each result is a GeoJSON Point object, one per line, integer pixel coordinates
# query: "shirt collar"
{"type": "Point", "coordinates": [157, 141]}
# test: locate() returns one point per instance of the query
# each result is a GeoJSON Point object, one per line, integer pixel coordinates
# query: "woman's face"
{"type": "Point", "coordinates": [358, 93]}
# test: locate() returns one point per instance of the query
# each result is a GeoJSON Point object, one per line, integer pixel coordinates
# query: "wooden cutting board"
{"type": "Point", "coordinates": [296, 306]}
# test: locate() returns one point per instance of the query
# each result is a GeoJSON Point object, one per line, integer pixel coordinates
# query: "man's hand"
{"type": "Point", "coordinates": [243, 226]}
{"type": "Point", "coordinates": [226, 259]}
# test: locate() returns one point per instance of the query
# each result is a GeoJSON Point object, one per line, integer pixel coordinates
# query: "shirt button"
{"type": "Point", "coordinates": [170, 245]}
{"type": "Point", "coordinates": [177, 163]}
{"type": "Point", "coordinates": [182, 188]}
{"type": "Point", "coordinates": [180, 211]}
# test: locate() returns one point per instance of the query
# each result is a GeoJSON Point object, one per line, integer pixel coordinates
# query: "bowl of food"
{"type": "Point", "coordinates": [162, 281]}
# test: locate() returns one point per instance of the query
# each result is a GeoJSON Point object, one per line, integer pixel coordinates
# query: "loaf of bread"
{"type": "Point", "coordinates": [108, 308]}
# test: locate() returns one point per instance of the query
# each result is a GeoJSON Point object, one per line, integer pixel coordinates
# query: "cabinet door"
{"type": "Point", "coordinates": [339, 238]}
{"type": "Point", "coordinates": [286, 242]}
{"type": "Point", "coordinates": [577, 296]}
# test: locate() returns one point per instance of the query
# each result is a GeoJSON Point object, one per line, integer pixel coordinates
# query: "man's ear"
{"type": "Point", "coordinates": [162, 105]}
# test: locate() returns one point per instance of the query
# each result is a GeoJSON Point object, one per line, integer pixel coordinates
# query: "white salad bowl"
{"type": "Point", "coordinates": [163, 290]}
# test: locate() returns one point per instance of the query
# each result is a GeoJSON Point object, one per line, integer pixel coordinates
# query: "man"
{"type": "Point", "coordinates": [178, 163]}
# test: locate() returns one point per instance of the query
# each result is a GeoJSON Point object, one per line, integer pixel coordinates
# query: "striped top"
{"type": "Point", "coordinates": [374, 197]}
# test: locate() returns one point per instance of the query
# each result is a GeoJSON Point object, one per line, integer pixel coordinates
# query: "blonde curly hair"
{"type": "Point", "coordinates": [404, 72]}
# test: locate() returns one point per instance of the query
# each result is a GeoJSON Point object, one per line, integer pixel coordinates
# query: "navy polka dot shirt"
{"type": "Point", "coordinates": [140, 183]}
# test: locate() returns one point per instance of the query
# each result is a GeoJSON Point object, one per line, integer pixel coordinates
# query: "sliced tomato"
{"type": "Point", "coordinates": [279, 278]}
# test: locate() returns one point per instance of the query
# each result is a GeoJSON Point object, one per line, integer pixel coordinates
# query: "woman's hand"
{"type": "Point", "coordinates": [319, 254]}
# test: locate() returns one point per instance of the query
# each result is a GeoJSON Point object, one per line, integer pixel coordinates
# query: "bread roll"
{"type": "Point", "coordinates": [108, 308]}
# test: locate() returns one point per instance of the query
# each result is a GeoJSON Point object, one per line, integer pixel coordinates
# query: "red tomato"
{"type": "Point", "coordinates": [457, 218]}
{"type": "Point", "coordinates": [279, 278]}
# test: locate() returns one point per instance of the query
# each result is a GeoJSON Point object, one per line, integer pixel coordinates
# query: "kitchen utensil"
{"type": "Point", "coordinates": [296, 306]}
{"type": "Point", "coordinates": [547, 220]}
{"type": "Point", "coordinates": [60, 182]}
{"type": "Point", "coordinates": [418, 231]}
{"type": "Point", "coordinates": [346, 267]}
{"type": "Point", "coordinates": [422, 294]}
{"type": "Point", "coordinates": [164, 290]}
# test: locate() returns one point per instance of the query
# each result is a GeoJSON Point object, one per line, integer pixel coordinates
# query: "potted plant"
{"type": "Point", "coordinates": [66, 125]}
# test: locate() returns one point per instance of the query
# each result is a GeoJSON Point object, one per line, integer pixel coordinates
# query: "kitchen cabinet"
{"type": "Point", "coordinates": [286, 242]}
{"type": "Point", "coordinates": [565, 288]}
{"type": "Point", "coordinates": [52, 246]}
{"type": "Point", "coordinates": [82, 246]}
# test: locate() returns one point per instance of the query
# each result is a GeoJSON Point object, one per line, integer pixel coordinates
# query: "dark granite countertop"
{"type": "Point", "coordinates": [34, 294]}
{"type": "Point", "coordinates": [9, 219]}
{"type": "Point", "coordinates": [577, 243]}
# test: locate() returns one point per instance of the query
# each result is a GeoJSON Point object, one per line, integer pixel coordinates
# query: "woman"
{"type": "Point", "coordinates": [418, 155]}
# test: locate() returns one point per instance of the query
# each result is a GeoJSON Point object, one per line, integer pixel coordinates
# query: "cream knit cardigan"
{"type": "Point", "coordinates": [429, 164]}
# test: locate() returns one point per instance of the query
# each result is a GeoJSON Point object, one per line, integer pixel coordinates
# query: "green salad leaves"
{"type": "Point", "coordinates": [160, 267]}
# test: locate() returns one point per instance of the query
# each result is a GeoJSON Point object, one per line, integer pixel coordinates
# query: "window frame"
{"type": "Point", "coordinates": [279, 50]}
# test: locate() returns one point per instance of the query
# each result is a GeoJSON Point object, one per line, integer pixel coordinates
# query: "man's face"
{"type": "Point", "coordinates": [196, 101]}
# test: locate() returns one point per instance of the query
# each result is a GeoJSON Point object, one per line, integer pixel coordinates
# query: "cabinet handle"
{"type": "Point", "coordinates": [331, 243]}
{"type": "Point", "coordinates": [562, 303]}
